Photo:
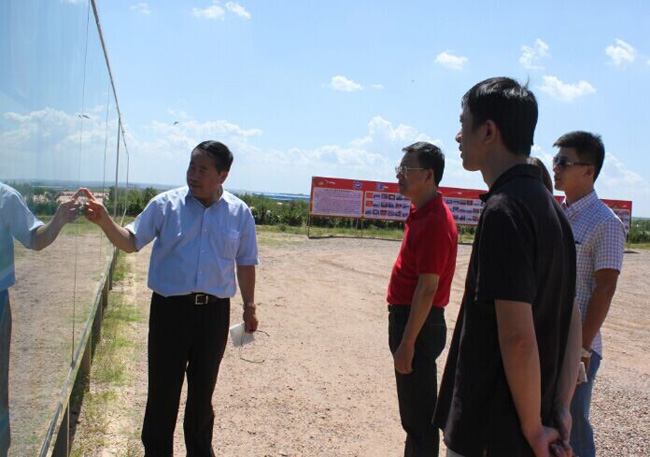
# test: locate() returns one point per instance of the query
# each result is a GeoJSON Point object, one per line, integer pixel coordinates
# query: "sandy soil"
{"type": "Point", "coordinates": [50, 303]}
{"type": "Point", "coordinates": [326, 387]}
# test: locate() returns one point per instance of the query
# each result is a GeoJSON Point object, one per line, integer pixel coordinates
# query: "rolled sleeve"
{"type": "Point", "coordinates": [146, 225]}
{"type": "Point", "coordinates": [22, 223]}
{"type": "Point", "coordinates": [505, 257]}
{"type": "Point", "coordinates": [609, 245]}
{"type": "Point", "coordinates": [247, 252]}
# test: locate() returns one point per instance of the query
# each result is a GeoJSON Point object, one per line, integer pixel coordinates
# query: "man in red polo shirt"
{"type": "Point", "coordinates": [418, 292]}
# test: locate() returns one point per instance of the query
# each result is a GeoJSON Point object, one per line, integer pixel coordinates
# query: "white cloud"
{"type": "Point", "coordinates": [211, 12]}
{"type": "Point", "coordinates": [142, 7]}
{"type": "Point", "coordinates": [451, 61]}
{"type": "Point", "coordinates": [617, 181]}
{"type": "Point", "coordinates": [216, 11]}
{"type": "Point", "coordinates": [178, 114]}
{"type": "Point", "coordinates": [371, 156]}
{"type": "Point", "coordinates": [196, 130]}
{"type": "Point", "coordinates": [237, 9]}
{"type": "Point", "coordinates": [622, 54]}
{"type": "Point", "coordinates": [383, 136]}
{"type": "Point", "coordinates": [75, 143]}
{"type": "Point", "coordinates": [75, 2]}
{"type": "Point", "coordinates": [615, 175]}
{"type": "Point", "coordinates": [530, 56]}
{"type": "Point", "coordinates": [344, 84]}
{"type": "Point", "coordinates": [543, 155]}
{"type": "Point", "coordinates": [378, 86]}
{"type": "Point", "coordinates": [564, 91]}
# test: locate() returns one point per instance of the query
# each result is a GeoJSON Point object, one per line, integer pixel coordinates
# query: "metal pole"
{"type": "Point", "coordinates": [117, 168]}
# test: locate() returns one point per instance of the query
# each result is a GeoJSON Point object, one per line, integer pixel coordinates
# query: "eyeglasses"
{"type": "Point", "coordinates": [402, 170]}
{"type": "Point", "coordinates": [563, 162]}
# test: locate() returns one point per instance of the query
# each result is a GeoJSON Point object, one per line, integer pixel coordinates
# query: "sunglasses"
{"type": "Point", "coordinates": [563, 162]}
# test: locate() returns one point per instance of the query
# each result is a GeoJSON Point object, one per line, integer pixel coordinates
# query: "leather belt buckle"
{"type": "Point", "coordinates": [201, 299]}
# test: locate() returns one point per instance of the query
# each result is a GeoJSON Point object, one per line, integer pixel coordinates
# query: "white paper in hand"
{"type": "Point", "coordinates": [239, 336]}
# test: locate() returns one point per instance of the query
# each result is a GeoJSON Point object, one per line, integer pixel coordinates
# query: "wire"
{"type": "Point", "coordinates": [241, 345]}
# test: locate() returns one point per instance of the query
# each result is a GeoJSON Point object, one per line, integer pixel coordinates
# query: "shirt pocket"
{"type": "Point", "coordinates": [229, 244]}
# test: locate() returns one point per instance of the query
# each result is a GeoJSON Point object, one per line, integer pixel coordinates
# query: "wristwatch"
{"type": "Point", "coordinates": [585, 353]}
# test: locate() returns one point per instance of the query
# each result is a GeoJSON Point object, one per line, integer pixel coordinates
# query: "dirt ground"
{"type": "Point", "coordinates": [50, 304]}
{"type": "Point", "coordinates": [326, 387]}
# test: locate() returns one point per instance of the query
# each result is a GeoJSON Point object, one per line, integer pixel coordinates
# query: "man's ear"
{"type": "Point", "coordinates": [222, 176]}
{"type": "Point", "coordinates": [491, 132]}
{"type": "Point", "coordinates": [431, 175]}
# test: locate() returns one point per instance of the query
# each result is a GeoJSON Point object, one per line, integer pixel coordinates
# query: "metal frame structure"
{"type": "Point", "coordinates": [57, 442]}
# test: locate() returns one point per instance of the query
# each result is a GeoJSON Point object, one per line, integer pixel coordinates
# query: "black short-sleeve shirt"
{"type": "Point", "coordinates": [523, 251]}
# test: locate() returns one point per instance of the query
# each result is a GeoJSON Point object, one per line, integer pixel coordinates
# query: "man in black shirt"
{"type": "Point", "coordinates": [514, 357]}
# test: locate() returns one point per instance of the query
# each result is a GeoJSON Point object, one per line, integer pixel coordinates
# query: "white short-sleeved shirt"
{"type": "Point", "coordinates": [196, 248]}
{"type": "Point", "coordinates": [16, 221]}
{"type": "Point", "coordinates": [600, 243]}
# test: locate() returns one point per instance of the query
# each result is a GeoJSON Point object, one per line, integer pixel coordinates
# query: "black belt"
{"type": "Point", "coordinates": [399, 308]}
{"type": "Point", "coordinates": [407, 309]}
{"type": "Point", "coordinates": [196, 299]}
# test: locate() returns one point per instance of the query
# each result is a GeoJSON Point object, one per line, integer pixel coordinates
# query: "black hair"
{"type": "Point", "coordinates": [511, 106]}
{"type": "Point", "coordinates": [219, 153]}
{"type": "Point", "coordinates": [429, 157]}
{"type": "Point", "coordinates": [588, 146]}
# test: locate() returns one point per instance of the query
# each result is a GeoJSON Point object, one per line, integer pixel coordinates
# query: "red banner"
{"type": "Point", "coordinates": [623, 209]}
{"type": "Point", "coordinates": [357, 199]}
{"type": "Point", "coordinates": [375, 200]}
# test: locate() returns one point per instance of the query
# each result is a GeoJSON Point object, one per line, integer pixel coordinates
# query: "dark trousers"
{"type": "Point", "coordinates": [5, 340]}
{"type": "Point", "coordinates": [417, 391]}
{"type": "Point", "coordinates": [183, 338]}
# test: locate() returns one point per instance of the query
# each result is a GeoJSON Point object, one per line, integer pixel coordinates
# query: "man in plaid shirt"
{"type": "Point", "coordinates": [600, 240]}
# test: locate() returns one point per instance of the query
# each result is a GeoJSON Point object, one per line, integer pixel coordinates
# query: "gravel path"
{"type": "Point", "coordinates": [326, 387]}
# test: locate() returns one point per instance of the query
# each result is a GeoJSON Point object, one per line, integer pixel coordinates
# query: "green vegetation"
{"type": "Point", "coordinates": [110, 363]}
{"type": "Point", "coordinates": [133, 200]}
{"type": "Point", "coordinates": [40, 200]}
{"type": "Point", "coordinates": [284, 216]}
{"type": "Point", "coordinates": [113, 355]}
{"type": "Point", "coordinates": [639, 232]}
{"type": "Point", "coordinates": [271, 212]}
{"type": "Point", "coordinates": [121, 269]}
{"type": "Point", "coordinates": [294, 214]}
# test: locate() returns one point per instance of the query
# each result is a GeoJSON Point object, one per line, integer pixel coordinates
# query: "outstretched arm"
{"type": "Point", "coordinates": [96, 213]}
{"type": "Point", "coordinates": [46, 234]}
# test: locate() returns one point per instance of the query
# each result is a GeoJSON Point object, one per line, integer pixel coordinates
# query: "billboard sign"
{"type": "Point", "coordinates": [375, 200]}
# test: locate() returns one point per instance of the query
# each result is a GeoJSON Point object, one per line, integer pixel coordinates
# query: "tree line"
{"type": "Point", "coordinates": [43, 201]}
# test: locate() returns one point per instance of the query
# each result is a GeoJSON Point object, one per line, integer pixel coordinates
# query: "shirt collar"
{"type": "Point", "coordinates": [426, 208]}
{"type": "Point", "coordinates": [516, 171]}
{"type": "Point", "coordinates": [579, 205]}
{"type": "Point", "coordinates": [189, 196]}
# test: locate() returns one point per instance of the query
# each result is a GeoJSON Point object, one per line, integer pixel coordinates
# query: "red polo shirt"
{"type": "Point", "coordinates": [429, 246]}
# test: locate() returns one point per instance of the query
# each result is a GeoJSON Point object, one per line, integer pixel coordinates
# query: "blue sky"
{"type": "Point", "coordinates": [337, 88]}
